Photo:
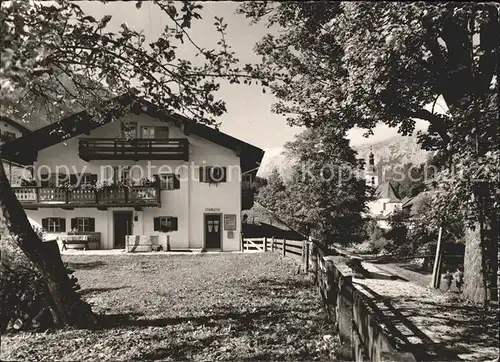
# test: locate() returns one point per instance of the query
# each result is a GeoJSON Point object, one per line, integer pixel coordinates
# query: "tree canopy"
{"type": "Point", "coordinates": [56, 59]}
{"type": "Point", "coordinates": [324, 196]}
{"type": "Point", "coordinates": [355, 64]}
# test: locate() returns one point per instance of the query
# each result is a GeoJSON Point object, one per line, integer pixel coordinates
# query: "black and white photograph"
{"type": "Point", "coordinates": [188, 180]}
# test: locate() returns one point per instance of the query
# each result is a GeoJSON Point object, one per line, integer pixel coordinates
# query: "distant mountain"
{"type": "Point", "coordinates": [393, 151]}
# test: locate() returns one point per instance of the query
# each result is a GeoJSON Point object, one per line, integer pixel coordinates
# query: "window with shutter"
{"type": "Point", "coordinates": [129, 130]}
{"type": "Point", "coordinates": [83, 224]}
{"type": "Point", "coordinates": [216, 174]}
{"type": "Point", "coordinates": [165, 223]}
{"type": "Point", "coordinates": [166, 181]}
{"type": "Point", "coordinates": [169, 181]}
{"type": "Point", "coordinates": [54, 224]}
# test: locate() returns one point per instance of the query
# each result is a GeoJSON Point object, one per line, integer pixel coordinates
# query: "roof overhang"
{"type": "Point", "coordinates": [24, 150]}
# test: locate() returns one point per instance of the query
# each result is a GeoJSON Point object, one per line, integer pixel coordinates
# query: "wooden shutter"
{"type": "Point", "coordinates": [45, 223]}
{"type": "Point", "coordinates": [203, 174]}
{"type": "Point", "coordinates": [62, 178]}
{"type": "Point", "coordinates": [62, 222]}
{"type": "Point", "coordinates": [44, 180]}
{"type": "Point", "coordinates": [174, 223]}
{"type": "Point", "coordinates": [91, 224]}
{"type": "Point", "coordinates": [74, 223]}
{"type": "Point", "coordinates": [93, 179]}
{"type": "Point", "coordinates": [156, 179]}
{"type": "Point", "coordinates": [177, 184]}
{"type": "Point", "coordinates": [156, 224]}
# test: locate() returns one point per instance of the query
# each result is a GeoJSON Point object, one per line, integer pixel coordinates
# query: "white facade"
{"type": "Point", "coordinates": [190, 203]}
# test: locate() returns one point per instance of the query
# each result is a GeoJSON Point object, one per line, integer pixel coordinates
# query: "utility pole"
{"type": "Point", "coordinates": [436, 271]}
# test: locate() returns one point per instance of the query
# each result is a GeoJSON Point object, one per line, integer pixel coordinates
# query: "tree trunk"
{"type": "Point", "coordinates": [69, 308]}
{"type": "Point", "coordinates": [474, 288]}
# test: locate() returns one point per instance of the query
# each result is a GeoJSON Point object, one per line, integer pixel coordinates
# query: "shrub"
{"type": "Point", "coordinates": [25, 302]}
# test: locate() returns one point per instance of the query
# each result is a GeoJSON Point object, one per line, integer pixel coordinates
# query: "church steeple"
{"type": "Point", "coordinates": [371, 176]}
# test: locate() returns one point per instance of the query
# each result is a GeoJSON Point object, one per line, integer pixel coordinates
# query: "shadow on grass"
{"type": "Point", "coordinates": [218, 326]}
{"type": "Point", "coordinates": [99, 290]}
{"type": "Point", "coordinates": [265, 325]}
{"type": "Point", "coordinates": [85, 266]}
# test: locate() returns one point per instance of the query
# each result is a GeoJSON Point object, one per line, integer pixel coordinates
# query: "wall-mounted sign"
{"type": "Point", "coordinates": [229, 221]}
{"type": "Point", "coordinates": [230, 234]}
{"type": "Point", "coordinates": [212, 209]}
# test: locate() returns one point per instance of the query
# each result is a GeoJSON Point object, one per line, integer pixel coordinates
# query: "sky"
{"type": "Point", "coordinates": [249, 115]}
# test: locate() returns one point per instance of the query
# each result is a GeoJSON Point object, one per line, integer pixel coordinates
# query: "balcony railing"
{"type": "Point", "coordinates": [135, 149]}
{"type": "Point", "coordinates": [58, 197]}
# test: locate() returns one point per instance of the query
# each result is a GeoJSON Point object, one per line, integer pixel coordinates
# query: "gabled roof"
{"type": "Point", "coordinates": [14, 124]}
{"type": "Point", "coordinates": [387, 191]}
{"type": "Point", "coordinates": [24, 150]}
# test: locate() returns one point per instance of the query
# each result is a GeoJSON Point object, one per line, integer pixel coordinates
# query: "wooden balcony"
{"type": "Point", "coordinates": [136, 196]}
{"type": "Point", "coordinates": [135, 149]}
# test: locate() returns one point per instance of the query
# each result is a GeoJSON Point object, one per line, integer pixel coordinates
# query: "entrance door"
{"type": "Point", "coordinates": [122, 227]}
{"type": "Point", "coordinates": [212, 231]}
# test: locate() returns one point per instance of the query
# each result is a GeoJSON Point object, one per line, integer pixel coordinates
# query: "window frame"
{"type": "Point", "coordinates": [156, 129]}
{"type": "Point", "coordinates": [55, 224]}
{"type": "Point", "coordinates": [132, 128]}
{"type": "Point", "coordinates": [173, 221]}
{"type": "Point", "coordinates": [206, 174]}
{"type": "Point", "coordinates": [167, 181]}
{"type": "Point", "coordinates": [85, 224]}
{"type": "Point", "coordinates": [175, 182]}
{"type": "Point", "coordinates": [149, 136]}
{"type": "Point", "coordinates": [246, 181]}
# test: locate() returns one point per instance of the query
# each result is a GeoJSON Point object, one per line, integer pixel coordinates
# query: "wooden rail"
{"type": "Point", "coordinates": [136, 149]}
{"type": "Point", "coordinates": [348, 309]}
{"type": "Point", "coordinates": [57, 197]}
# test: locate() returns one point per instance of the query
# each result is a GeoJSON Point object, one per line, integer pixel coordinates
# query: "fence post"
{"type": "Point", "coordinates": [272, 245]}
{"type": "Point", "coordinates": [264, 244]}
{"type": "Point", "coordinates": [345, 314]}
{"type": "Point", "coordinates": [284, 247]}
{"type": "Point", "coordinates": [306, 257]}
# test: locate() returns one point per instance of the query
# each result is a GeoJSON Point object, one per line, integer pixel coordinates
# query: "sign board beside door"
{"type": "Point", "coordinates": [230, 222]}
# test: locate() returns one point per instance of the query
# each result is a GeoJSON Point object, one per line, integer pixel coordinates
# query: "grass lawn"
{"type": "Point", "coordinates": [178, 307]}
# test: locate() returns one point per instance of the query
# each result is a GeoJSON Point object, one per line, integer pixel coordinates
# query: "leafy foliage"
{"type": "Point", "coordinates": [24, 298]}
{"type": "Point", "coordinates": [56, 60]}
{"type": "Point", "coordinates": [323, 197]}
{"type": "Point", "coordinates": [353, 64]}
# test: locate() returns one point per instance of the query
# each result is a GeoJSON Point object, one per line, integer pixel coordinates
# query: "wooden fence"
{"type": "Point", "coordinates": [348, 310]}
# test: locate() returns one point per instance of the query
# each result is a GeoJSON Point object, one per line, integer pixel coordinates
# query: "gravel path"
{"type": "Point", "coordinates": [432, 324]}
